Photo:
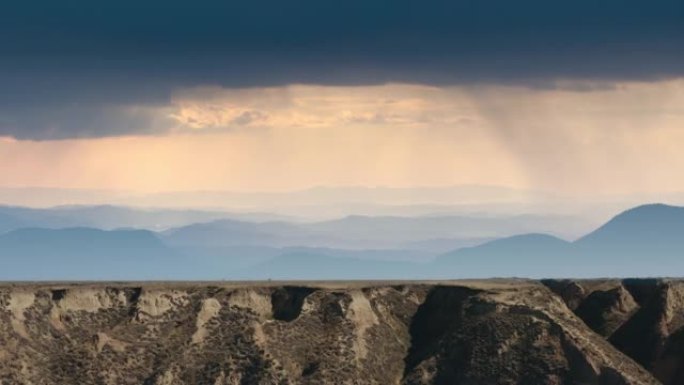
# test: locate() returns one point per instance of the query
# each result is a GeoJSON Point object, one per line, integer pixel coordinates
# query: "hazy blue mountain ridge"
{"type": "Point", "coordinates": [647, 240]}
{"type": "Point", "coordinates": [86, 253]}
{"type": "Point", "coordinates": [643, 241]}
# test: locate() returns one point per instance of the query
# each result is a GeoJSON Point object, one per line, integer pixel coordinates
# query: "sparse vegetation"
{"type": "Point", "coordinates": [474, 332]}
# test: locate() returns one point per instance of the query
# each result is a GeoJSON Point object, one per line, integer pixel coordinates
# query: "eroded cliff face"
{"type": "Point", "coordinates": [643, 318]}
{"type": "Point", "coordinates": [487, 332]}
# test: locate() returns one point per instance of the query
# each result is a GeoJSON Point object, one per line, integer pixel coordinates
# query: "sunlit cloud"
{"type": "Point", "coordinates": [621, 138]}
{"type": "Point", "coordinates": [306, 106]}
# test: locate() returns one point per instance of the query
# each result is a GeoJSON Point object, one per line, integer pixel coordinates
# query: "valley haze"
{"type": "Point", "coordinates": [121, 243]}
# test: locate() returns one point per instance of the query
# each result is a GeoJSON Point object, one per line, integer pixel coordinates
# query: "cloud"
{"type": "Point", "coordinates": [75, 121]}
{"type": "Point", "coordinates": [620, 139]}
{"type": "Point", "coordinates": [110, 56]}
{"type": "Point", "coordinates": [303, 106]}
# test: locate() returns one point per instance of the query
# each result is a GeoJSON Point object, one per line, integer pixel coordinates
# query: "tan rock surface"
{"type": "Point", "coordinates": [466, 332]}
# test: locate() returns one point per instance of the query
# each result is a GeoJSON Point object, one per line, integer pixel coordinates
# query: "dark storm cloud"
{"type": "Point", "coordinates": [95, 56]}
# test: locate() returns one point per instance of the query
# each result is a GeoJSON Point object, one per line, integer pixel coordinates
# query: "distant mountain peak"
{"type": "Point", "coordinates": [526, 242]}
{"type": "Point", "coordinates": [651, 209]}
{"type": "Point", "coordinates": [650, 223]}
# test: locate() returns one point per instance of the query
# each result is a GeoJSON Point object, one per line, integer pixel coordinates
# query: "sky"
{"type": "Point", "coordinates": [576, 97]}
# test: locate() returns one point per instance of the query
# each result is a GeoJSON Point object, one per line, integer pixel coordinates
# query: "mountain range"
{"type": "Point", "coordinates": [108, 217]}
{"type": "Point", "coordinates": [644, 241]}
{"type": "Point", "coordinates": [85, 254]}
{"type": "Point", "coordinates": [329, 202]}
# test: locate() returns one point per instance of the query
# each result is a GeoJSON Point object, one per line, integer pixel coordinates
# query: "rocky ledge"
{"type": "Point", "coordinates": [462, 332]}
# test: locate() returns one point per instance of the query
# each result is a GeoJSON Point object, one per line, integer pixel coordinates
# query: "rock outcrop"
{"type": "Point", "coordinates": [643, 318]}
{"type": "Point", "coordinates": [477, 332]}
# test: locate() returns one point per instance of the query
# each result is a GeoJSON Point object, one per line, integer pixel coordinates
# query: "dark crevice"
{"type": "Point", "coordinates": [151, 380]}
{"type": "Point", "coordinates": [642, 289]}
{"type": "Point", "coordinates": [610, 376]}
{"type": "Point", "coordinates": [580, 370]}
{"type": "Point", "coordinates": [331, 308]}
{"type": "Point", "coordinates": [670, 366]}
{"type": "Point", "coordinates": [440, 313]}
{"type": "Point", "coordinates": [58, 294]}
{"type": "Point", "coordinates": [641, 336]}
{"type": "Point", "coordinates": [570, 291]}
{"type": "Point", "coordinates": [287, 302]}
{"type": "Point", "coordinates": [310, 369]}
{"type": "Point", "coordinates": [132, 296]}
{"type": "Point", "coordinates": [601, 310]}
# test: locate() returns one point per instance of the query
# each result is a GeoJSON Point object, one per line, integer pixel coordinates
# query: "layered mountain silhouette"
{"type": "Point", "coordinates": [110, 217]}
{"type": "Point", "coordinates": [644, 241]}
{"type": "Point", "coordinates": [647, 240]}
{"type": "Point", "coordinates": [520, 255]}
{"type": "Point", "coordinates": [9, 222]}
{"type": "Point", "coordinates": [655, 227]}
{"type": "Point", "coordinates": [438, 233]}
{"type": "Point", "coordinates": [366, 232]}
{"type": "Point", "coordinates": [85, 253]}
{"type": "Point", "coordinates": [303, 265]}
